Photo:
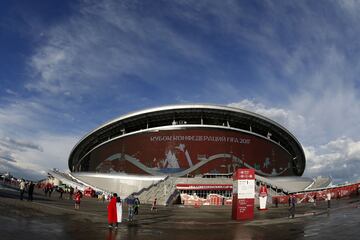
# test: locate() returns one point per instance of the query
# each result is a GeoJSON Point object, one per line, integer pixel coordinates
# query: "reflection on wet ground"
{"type": "Point", "coordinates": [56, 219]}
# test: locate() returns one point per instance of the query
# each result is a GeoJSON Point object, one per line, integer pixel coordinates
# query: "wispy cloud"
{"type": "Point", "coordinates": [19, 145]}
{"type": "Point", "coordinates": [102, 44]}
{"type": "Point", "coordinates": [6, 155]}
{"type": "Point", "coordinates": [11, 92]}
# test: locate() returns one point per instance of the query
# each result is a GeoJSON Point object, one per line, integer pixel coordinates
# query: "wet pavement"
{"type": "Point", "coordinates": [53, 218]}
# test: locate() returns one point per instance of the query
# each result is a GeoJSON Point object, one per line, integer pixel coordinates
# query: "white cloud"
{"type": "Point", "coordinates": [56, 147]}
{"type": "Point", "coordinates": [350, 7]}
{"type": "Point", "coordinates": [309, 68]}
{"type": "Point", "coordinates": [29, 142]}
{"type": "Point", "coordinates": [19, 114]}
{"type": "Point", "coordinates": [290, 119]}
{"type": "Point", "coordinates": [33, 163]}
{"type": "Point", "coordinates": [338, 158]}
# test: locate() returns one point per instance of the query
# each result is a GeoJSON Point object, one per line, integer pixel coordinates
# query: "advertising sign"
{"type": "Point", "coordinates": [243, 194]}
{"type": "Point", "coordinates": [189, 152]}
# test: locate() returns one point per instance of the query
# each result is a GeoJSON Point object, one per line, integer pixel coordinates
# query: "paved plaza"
{"type": "Point", "coordinates": [52, 218]}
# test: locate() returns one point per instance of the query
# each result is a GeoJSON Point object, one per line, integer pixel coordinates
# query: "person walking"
{"type": "Point", "coordinates": [61, 192]}
{"type": "Point", "coordinates": [112, 212]}
{"type": "Point", "coordinates": [292, 207]}
{"type": "Point", "coordinates": [153, 207]}
{"type": "Point", "coordinates": [136, 205]}
{"type": "Point", "coordinates": [130, 202]}
{"type": "Point", "coordinates": [51, 189]}
{"type": "Point", "coordinates": [22, 189]}
{"type": "Point", "coordinates": [31, 191]}
{"type": "Point", "coordinates": [77, 198]}
{"type": "Point", "coordinates": [328, 199]}
{"type": "Point", "coordinates": [46, 190]}
{"type": "Point", "coordinates": [289, 200]}
{"type": "Point", "coordinates": [71, 192]}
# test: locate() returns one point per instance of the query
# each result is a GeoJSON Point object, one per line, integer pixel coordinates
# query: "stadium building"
{"type": "Point", "coordinates": [139, 149]}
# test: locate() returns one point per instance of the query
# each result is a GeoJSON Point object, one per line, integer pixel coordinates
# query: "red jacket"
{"type": "Point", "coordinates": [77, 197]}
{"type": "Point", "coordinates": [112, 216]}
{"type": "Point", "coordinates": [263, 191]}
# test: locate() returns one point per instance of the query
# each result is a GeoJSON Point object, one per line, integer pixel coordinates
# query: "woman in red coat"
{"type": "Point", "coordinates": [112, 216]}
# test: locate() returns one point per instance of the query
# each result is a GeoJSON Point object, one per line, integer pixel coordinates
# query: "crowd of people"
{"type": "Point", "coordinates": [48, 188]}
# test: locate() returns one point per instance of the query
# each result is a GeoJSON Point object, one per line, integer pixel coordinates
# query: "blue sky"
{"type": "Point", "coordinates": [68, 66]}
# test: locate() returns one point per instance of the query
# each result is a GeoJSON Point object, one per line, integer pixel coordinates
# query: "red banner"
{"type": "Point", "coordinates": [189, 152]}
{"type": "Point", "coordinates": [320, 195]}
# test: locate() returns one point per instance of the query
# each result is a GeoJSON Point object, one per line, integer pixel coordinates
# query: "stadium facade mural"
{"type": "Point", "coordinates": [181, 152]}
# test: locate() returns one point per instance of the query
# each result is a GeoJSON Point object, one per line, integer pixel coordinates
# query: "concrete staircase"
{"type": "Point", "coordinates": [320, 182]}
{"type": "Point", "coordinates": [164, 191]}
{"type": "Point", "coordinates": [285, 185]}
{"type": "Point", "coordinates": [67, 179]}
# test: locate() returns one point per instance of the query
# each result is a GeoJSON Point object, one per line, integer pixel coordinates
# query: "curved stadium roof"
{"type": "Point", "coordinates": [190, 114]}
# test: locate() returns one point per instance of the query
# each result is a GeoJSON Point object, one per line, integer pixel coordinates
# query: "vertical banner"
{"type": "Point", "coordinates": [243, 194]}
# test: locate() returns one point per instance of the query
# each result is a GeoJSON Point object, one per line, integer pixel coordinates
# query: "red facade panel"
{"type": "Point", "coordinates": [191, 151]}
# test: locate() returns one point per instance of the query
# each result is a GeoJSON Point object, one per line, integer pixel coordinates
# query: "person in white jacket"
{"type": "Point", "coordinates": [328, 199]}
{"type": "Point", "coordinates": [22, 189]}
{"type": "Point", "coordinates": [119, 210]}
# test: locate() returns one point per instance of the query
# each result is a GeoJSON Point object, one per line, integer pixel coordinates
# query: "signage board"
{"type": "Point", "coordinates": [243, 194]}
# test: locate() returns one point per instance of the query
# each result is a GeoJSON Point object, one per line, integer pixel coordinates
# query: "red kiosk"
{"type": "Point", "coordinates": [243, 194]}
